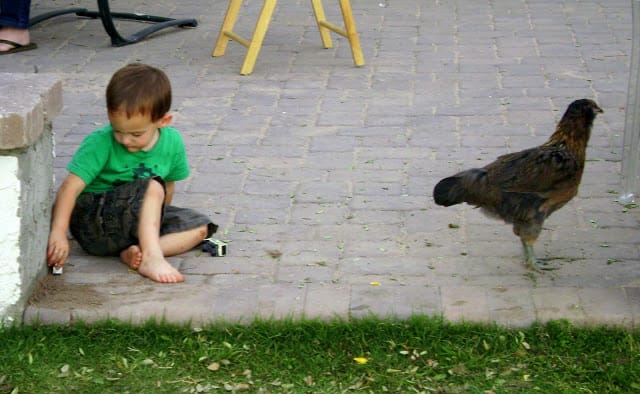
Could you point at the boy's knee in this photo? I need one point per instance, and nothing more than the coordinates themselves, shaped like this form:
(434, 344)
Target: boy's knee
(203, 231)
(155, 188)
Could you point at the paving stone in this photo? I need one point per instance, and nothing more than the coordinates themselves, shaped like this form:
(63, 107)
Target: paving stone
(606, 306)
(40, 315)
(281, 301)
(322, 192)
(465, 303)
(394, 301)
(558, 303)
(633, 296)
(511, 306)
(327, 301)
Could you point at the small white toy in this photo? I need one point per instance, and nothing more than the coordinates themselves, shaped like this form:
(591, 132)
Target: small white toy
(215, 247)
(56, 271)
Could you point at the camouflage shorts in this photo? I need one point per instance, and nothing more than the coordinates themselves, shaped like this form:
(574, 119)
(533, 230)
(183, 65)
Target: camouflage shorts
(104, 224)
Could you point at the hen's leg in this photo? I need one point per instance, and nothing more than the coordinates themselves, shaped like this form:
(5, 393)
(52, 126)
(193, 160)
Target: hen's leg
(530, 257)
(528, 232)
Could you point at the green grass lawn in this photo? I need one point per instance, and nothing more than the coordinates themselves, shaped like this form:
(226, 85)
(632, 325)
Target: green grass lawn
(416, 355)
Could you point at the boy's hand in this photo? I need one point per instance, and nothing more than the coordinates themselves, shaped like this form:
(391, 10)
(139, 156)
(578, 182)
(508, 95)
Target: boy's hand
(58, 245)
(57, 250)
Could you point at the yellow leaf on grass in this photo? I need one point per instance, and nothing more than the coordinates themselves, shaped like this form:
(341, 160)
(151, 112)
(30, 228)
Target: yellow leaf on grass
(361, 360)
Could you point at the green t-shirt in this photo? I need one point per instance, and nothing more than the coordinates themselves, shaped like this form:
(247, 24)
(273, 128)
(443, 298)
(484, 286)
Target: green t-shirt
(103, 163)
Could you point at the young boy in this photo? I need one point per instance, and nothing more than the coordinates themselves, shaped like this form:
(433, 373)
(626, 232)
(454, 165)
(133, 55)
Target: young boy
(116, 198)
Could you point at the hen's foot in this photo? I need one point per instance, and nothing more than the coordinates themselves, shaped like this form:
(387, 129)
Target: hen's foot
(537, 264)
(541, 264)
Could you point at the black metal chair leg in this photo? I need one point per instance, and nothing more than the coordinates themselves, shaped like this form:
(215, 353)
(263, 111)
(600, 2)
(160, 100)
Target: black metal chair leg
(106, 16)
(47, 15)
(117, 40)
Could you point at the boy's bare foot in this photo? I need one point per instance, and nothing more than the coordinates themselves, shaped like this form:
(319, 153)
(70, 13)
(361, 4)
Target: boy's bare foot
(132, 256)
(159, 270)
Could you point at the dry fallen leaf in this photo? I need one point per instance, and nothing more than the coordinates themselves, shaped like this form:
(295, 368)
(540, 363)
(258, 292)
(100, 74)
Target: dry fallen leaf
(213, 367)
(309, 380)
(240, 387)
(64, 371)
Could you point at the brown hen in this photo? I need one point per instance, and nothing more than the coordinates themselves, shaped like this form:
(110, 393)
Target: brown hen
(524, 188)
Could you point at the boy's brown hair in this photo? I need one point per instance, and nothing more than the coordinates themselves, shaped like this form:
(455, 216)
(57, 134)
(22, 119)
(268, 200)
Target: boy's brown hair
(139, 89)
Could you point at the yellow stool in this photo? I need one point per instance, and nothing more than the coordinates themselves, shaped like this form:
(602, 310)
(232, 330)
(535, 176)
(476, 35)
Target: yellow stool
(253, 45)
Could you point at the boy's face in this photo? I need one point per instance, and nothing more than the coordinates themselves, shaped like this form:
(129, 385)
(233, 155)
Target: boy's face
(137, 132)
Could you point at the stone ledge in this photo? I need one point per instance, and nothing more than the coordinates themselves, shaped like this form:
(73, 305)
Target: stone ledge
(29, 102)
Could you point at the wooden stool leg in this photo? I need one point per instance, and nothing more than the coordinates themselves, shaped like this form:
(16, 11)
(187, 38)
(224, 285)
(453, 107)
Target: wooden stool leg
(321, 19)
(352, 34)
(227, 26)
(258, 36)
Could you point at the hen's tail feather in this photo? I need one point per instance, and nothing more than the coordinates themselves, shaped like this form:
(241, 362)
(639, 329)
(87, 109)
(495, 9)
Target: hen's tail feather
(447, 192)
(456, 189)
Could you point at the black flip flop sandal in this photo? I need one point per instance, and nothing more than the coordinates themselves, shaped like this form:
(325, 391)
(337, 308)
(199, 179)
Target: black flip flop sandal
(17, 47)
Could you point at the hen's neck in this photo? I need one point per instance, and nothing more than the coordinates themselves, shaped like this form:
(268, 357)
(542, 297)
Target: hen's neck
(573, 133)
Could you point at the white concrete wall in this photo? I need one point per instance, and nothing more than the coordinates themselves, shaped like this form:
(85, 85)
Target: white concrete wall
(29, 104)
(10, 280)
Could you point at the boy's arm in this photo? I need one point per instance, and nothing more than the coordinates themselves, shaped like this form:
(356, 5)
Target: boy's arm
(58, 245)
(170, 187)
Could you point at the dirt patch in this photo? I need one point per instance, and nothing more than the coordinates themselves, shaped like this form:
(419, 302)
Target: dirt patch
(52, 292)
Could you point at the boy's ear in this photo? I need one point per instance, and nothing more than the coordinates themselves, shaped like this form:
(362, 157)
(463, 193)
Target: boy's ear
(165, 120)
